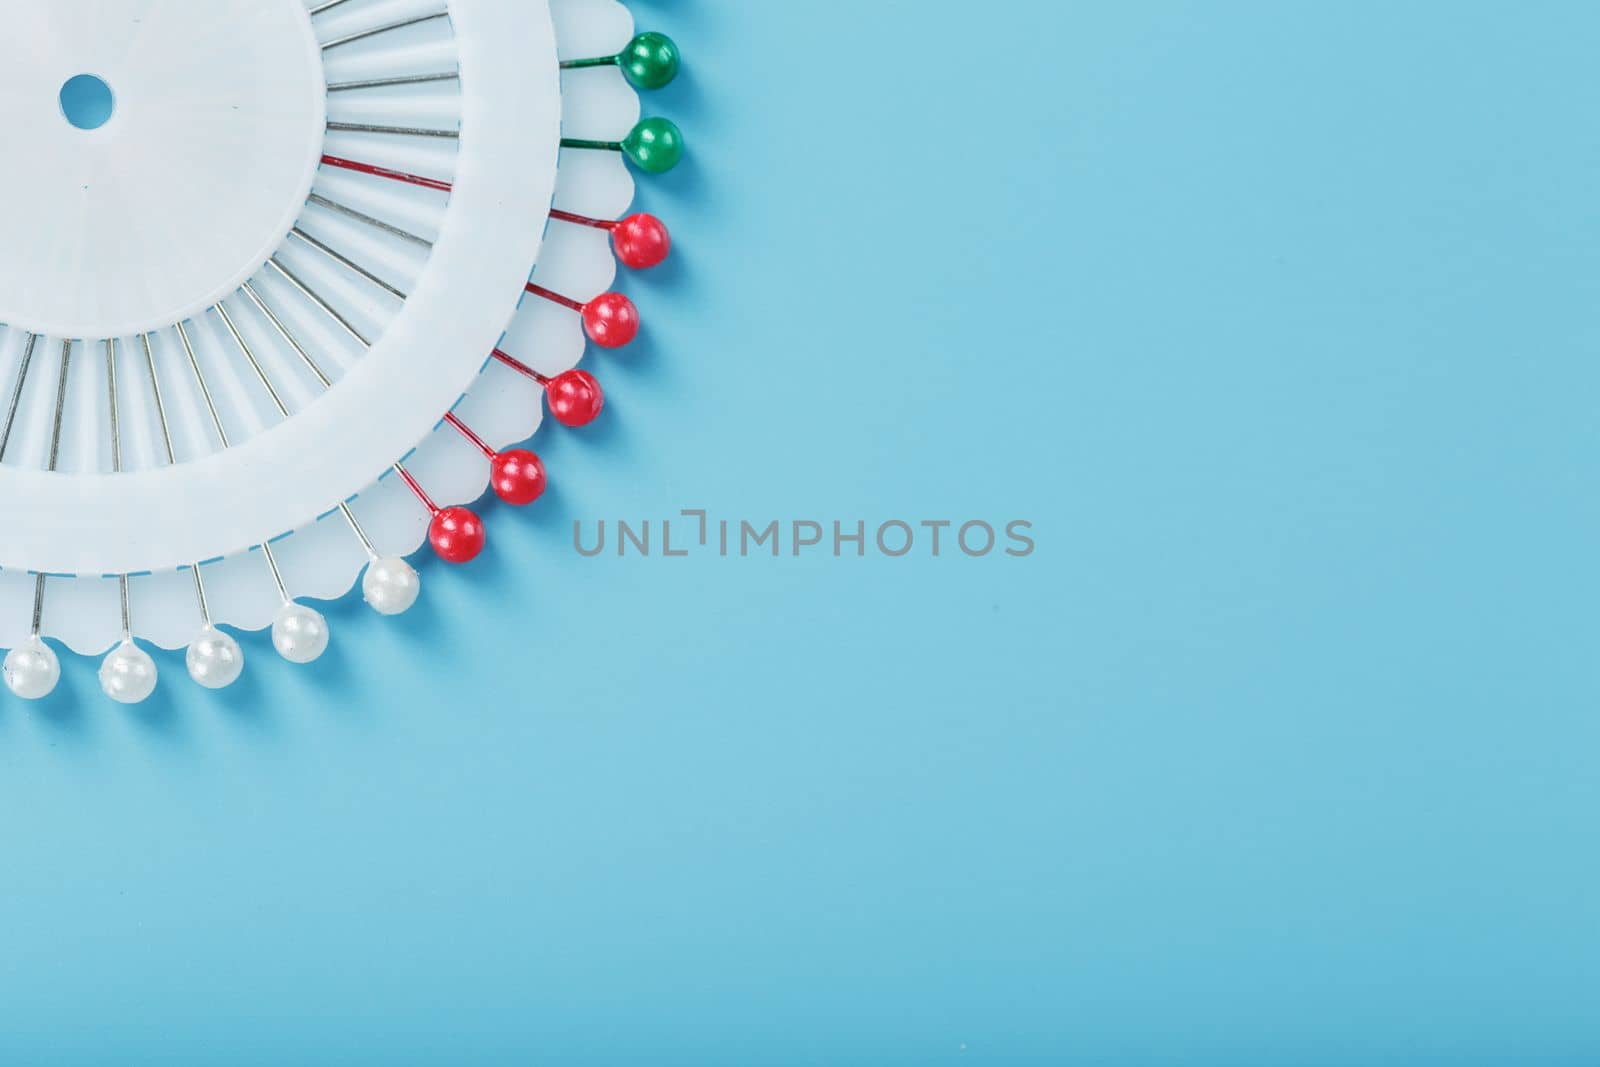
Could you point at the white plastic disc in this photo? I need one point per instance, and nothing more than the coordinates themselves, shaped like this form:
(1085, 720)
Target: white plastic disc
(483, 68)
(91, 522)
(206, 159)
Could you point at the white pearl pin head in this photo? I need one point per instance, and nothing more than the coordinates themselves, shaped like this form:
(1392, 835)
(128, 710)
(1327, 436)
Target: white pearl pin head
(128, 674)
(32, 670)
(299, 634)
(391, 586)
(215, 659)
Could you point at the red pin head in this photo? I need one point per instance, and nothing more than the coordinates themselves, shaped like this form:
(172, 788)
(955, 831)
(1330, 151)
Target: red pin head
(457, 535)
(611, 320)
(641, 241)
(576, 399)
(518, 477)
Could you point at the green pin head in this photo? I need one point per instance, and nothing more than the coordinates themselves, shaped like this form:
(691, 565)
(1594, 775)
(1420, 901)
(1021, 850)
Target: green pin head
(650, 61)
(655, 146)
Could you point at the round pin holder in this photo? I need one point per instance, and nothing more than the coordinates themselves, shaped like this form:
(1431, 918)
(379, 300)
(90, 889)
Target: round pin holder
(268, 312)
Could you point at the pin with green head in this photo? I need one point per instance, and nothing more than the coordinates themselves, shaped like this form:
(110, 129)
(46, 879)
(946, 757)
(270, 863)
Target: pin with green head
(651, 61)
(655, 145)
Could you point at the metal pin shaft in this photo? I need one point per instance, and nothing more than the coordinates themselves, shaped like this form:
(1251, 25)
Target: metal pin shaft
(380, 83)
(55, 455)
(166, 441)
(346, 261)
(16, 394)
(340, 42)
(395, 131)
(311, 294)
(350, 212)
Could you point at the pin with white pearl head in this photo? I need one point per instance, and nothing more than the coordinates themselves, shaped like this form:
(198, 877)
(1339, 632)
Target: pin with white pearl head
(127, 675)
(32, 669)
(299, 633)
(214, 658)
(456, 533)
(390, 585)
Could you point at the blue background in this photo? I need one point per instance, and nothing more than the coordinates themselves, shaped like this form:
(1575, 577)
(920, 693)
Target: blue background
(1277, 319)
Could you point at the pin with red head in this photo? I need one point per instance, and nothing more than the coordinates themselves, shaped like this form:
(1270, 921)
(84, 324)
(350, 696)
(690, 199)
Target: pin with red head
(610, 319)
(575, 397)
(641, 241)
(516, 475)
(457, 534)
